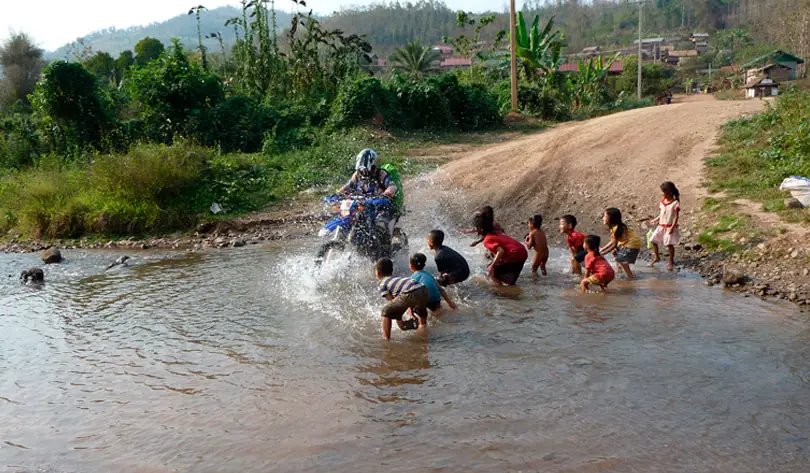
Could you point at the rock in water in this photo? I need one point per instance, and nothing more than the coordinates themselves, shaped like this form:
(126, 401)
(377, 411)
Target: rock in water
(238, 243)
(732, 274)
(35, 275)
(51, 256)
(122, 261)
(793, 203)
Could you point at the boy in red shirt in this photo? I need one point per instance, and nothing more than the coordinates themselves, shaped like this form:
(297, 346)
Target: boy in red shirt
(575, 241)
(597, 270)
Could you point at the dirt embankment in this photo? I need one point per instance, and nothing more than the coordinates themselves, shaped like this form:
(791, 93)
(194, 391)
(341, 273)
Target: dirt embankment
(620, 161)
(582, 168)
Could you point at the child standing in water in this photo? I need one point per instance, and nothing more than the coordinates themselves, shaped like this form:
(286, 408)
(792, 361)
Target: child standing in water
(536, 240)
(509, 255)
(597, 269)
(575, 242)
(403, 294)
(486, 212)
(437, 293)
(667, 232)
(624, 241)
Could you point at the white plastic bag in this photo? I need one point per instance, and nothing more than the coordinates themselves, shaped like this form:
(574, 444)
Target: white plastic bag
(799, 188)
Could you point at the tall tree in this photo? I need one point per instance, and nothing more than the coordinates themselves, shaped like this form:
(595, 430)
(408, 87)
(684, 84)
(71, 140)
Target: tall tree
(148, 49)
(22, 63)
(200, 46)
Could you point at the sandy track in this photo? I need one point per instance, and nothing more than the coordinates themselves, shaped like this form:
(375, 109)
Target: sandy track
(584, 167)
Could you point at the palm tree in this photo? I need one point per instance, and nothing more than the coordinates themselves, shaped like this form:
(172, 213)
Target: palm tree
(414, 59)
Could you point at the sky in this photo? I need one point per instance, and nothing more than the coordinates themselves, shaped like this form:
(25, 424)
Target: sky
(52, 23)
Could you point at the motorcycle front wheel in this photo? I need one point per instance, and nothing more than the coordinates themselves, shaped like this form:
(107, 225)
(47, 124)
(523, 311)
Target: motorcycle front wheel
(328, 251)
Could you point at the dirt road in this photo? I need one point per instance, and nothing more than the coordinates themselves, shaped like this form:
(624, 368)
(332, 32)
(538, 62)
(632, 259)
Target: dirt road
(582, 168)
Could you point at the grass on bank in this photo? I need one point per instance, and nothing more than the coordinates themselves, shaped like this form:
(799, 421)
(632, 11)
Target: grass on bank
(758, 152)
(158, 188)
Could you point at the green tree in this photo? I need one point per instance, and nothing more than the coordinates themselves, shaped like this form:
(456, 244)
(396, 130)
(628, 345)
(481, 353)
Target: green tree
(590, 83)
(415, 59)
(21, 65)
(68, 96)
(102, 65)
(170, 91)
(200, 46)
(147, 49)
(125, 60)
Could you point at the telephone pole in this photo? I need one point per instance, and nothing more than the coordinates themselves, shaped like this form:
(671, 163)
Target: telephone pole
(640, 15)
(513, 58)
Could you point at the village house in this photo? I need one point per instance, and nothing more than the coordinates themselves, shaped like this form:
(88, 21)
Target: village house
(777, 72)
(760, 87)
(777, 57)
(443, 49)
(674, 58)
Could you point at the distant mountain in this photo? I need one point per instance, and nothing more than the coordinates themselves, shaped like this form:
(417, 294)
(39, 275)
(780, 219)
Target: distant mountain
(183, 27)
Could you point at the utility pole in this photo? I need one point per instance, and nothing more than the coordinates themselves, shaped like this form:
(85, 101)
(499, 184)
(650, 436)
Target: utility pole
(640, 15)
(513, 59)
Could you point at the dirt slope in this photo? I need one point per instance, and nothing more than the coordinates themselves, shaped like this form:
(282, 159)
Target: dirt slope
(584, 167)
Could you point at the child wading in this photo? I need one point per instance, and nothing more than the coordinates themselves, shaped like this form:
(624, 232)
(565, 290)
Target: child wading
(667, 233)
(424, 278)
(575, 242)
(453, 268)
(403, 294)
(624, 241)
(597, 269)
(509, 255)
(536, 240)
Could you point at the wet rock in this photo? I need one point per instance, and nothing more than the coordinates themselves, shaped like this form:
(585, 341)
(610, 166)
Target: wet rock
(548, 456)
(237, 243)
(793, 203)
(121, 261)
(51, 256)
(34, 275)
(693, 247)
(732, 275)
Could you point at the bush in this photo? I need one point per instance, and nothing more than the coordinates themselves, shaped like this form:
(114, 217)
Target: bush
(422, 104)
(236, 124)
(20, 142)
(68, 96)
(472, 107)
(171, 91)
(541, 102)
(361, 101)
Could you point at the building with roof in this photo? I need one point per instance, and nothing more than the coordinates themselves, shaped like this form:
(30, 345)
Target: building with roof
(777, 57)
(777, 72)
(453, 62)
(573, 67)
(675, 56)
(760, 87)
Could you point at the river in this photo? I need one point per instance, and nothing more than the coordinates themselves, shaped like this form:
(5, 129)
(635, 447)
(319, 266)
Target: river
(243, 361)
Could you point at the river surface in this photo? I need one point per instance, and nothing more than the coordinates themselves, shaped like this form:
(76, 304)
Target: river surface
(243, 361)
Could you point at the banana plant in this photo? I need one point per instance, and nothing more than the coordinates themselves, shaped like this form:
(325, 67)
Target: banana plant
(538, 50)
(590, 85)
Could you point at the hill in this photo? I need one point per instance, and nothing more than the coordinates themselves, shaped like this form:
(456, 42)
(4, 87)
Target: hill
(182, 26)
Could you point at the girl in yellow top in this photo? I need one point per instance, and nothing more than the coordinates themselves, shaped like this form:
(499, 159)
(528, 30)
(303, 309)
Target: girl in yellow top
(624, 241)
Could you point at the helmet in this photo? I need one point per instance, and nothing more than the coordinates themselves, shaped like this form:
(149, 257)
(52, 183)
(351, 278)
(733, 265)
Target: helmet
(366, 162)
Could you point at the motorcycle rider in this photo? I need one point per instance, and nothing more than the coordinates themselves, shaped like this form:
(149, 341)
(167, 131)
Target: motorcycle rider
(370, 180)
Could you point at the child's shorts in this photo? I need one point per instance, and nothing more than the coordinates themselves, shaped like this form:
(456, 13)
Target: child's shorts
(596, 280)
(433, 306)
(580, 255)
(453, 277)
(509, 273)
(416, 300)
(627, 255)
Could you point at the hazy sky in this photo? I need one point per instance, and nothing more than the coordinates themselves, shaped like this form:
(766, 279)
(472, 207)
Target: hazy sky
(53, 23)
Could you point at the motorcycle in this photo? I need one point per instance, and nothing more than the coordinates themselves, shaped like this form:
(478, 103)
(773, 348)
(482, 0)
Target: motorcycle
(355, 227)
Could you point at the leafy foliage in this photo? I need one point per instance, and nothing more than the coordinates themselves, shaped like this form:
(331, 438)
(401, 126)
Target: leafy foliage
(148, 49)
(414, 59)
(21, 64)
(170, 91)
(538, 50)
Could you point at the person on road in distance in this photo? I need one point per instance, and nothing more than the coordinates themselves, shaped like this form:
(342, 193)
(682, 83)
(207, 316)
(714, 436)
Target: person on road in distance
(403, 294)
(624, 241)
(369, 179)
(575, 242)
(453, 268)
(437, 293)
(509, 255)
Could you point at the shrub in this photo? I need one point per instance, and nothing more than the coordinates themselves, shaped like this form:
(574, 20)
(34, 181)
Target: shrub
(422, 104)
(20, 142)
(536, 101)
(171, 91)
(68, 96)
(471, 106)
(236, 124)
(361, 101)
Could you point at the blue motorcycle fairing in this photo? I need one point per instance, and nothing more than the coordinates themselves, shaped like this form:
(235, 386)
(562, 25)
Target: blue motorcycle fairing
(340, 222)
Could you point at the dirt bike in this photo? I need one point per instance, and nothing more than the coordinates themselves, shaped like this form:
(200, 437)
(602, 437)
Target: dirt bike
(355, 227)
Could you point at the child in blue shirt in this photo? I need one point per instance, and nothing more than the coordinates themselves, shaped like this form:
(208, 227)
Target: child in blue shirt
(437, 293)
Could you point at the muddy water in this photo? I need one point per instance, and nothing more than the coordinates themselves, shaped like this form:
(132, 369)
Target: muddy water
(240, 361)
